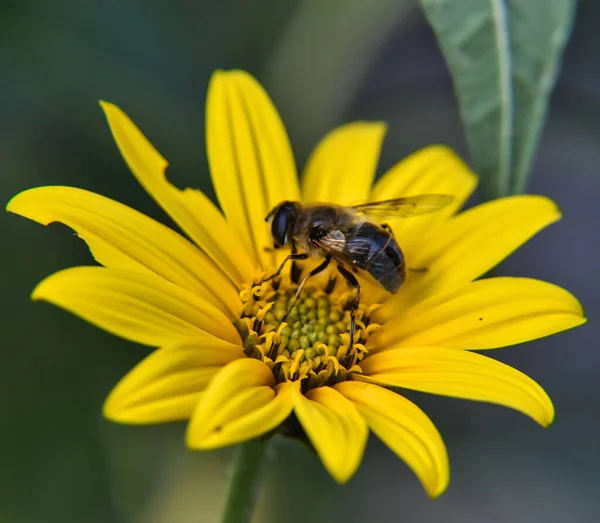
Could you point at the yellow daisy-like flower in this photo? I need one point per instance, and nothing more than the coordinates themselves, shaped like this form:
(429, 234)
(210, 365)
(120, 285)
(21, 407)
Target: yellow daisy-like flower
(227, 362)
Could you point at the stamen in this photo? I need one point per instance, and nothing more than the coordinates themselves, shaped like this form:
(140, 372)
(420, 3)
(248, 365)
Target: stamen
(306, 340)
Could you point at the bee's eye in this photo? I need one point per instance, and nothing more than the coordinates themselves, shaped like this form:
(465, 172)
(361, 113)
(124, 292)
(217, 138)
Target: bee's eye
(280, 226)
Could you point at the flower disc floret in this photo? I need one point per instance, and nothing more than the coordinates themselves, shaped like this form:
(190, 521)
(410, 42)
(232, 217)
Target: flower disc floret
(305, 339)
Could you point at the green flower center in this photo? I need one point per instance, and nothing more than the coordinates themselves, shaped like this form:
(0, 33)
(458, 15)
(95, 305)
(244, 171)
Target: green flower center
(305, 339)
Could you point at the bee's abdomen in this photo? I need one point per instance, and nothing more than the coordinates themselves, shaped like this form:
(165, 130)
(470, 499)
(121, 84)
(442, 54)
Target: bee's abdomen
(379, 255)
(388, 267)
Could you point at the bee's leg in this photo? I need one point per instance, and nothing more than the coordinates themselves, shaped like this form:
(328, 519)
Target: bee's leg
(293, 256)
(296, 270)
(353, 283)
(330, 285)
(320, 268)
(418, 269)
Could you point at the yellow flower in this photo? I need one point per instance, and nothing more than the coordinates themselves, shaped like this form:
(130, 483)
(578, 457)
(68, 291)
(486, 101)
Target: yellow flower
(226, 362)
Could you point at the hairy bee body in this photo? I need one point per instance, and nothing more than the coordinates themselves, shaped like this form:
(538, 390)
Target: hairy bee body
(350, 239)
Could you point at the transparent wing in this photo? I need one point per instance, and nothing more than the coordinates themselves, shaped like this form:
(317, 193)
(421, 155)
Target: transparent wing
(364, 253)
(333, 243)
(347, 246)
(407, 206)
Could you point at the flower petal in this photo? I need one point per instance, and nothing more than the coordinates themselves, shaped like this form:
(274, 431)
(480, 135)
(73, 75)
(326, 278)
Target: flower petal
(240, 403)
(468, 245)
(485, 314)
(406, 429)
(167, 385)
(432, 170)
(250, 157)
(139, 307)
(335, 428)
(341, 168)
(191, 209)
(460, 374)
(120, 237)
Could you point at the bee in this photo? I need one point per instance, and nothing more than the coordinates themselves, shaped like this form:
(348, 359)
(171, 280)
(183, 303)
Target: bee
(347, 236)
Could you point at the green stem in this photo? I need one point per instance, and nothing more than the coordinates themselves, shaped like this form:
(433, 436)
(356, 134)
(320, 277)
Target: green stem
(245, 480)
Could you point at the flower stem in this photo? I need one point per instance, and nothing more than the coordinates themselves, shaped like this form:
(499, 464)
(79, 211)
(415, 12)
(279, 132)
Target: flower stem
(245, 480)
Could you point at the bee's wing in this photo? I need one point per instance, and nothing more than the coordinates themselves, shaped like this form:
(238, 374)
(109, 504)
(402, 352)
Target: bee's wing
(360, 251)
(344, 246)
(407, 206)
(333, 243)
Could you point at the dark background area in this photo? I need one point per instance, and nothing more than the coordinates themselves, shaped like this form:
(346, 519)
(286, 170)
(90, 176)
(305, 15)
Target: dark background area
(324, 63)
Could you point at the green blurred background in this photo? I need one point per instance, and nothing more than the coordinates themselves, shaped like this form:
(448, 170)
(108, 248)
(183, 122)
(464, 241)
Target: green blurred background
(324, 62)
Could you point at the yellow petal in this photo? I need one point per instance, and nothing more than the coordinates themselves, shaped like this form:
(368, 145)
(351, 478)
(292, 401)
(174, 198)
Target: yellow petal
(460, 374)
(406, 429)
(240, 403)
(484, 314)
(120, 237)
(139, 307)
(335, 428)
(468, 245)
(250, 157)
(432, 170)
(192, 211)
(342, 167)
(167, 385)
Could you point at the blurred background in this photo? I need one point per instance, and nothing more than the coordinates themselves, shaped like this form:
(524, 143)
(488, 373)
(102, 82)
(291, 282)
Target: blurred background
(324, 63)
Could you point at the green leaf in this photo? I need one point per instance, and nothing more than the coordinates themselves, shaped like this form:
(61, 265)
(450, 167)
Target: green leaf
(473, 35)
(539, 30)
(503, 56)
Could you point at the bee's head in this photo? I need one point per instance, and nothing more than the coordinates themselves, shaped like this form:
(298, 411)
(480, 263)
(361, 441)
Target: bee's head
(282, 218)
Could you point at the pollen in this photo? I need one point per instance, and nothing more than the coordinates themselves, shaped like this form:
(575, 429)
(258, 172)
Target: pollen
(305, 339)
